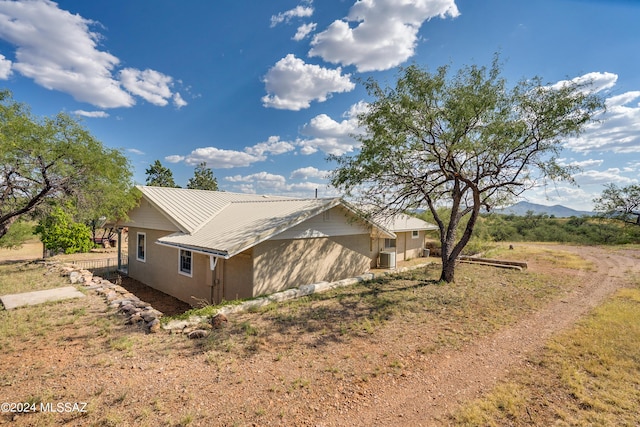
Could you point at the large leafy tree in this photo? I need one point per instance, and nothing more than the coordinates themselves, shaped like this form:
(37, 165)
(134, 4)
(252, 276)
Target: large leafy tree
(159, 175)
(203, 179)
(465, 141)
(46, 161)
(621, 203)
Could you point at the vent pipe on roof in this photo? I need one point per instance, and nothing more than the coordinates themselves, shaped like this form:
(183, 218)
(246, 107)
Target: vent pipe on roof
(316, 193)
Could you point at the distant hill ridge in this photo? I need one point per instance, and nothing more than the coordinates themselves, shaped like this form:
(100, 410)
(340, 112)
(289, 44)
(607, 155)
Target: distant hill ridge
(558, 211)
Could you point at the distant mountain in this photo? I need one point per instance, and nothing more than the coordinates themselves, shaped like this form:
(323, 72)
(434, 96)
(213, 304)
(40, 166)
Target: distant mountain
(558, 211)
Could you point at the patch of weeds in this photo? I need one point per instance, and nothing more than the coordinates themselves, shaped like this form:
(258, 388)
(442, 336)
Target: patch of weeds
(366, 325)
(78, 312)
(248, 329)
(124, 343)
(299, 383)
(111, 420)
(205, 311)
(343, 329)
(396, 364)
(425, 350)
(185, 421)
(120, 398)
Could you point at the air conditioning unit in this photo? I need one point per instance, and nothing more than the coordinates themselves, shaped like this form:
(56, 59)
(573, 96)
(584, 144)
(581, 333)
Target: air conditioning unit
(387, 260)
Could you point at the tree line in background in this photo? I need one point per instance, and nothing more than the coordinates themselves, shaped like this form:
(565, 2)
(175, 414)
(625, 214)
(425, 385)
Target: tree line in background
(616, 221)
(161, 176)
(531, 227)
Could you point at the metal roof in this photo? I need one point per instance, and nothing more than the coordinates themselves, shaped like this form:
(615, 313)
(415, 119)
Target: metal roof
(191, 209)
(225, 224)
(404, 222)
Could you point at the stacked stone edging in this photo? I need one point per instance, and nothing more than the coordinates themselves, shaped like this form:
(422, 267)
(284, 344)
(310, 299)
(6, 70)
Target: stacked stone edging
(117, 297)
(191, 325)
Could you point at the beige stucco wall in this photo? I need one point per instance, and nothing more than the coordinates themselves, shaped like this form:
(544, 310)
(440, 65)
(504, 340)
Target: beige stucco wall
(282, 264)
(406, 246)
(160, 269)
(237, 272)
(409, 248)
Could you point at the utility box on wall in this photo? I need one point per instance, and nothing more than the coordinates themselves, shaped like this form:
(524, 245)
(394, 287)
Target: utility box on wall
(387, 260)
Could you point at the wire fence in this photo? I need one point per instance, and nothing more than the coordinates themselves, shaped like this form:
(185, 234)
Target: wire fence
(107, 268)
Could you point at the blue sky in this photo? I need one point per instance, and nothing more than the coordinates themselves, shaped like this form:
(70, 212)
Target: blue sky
(263, 91)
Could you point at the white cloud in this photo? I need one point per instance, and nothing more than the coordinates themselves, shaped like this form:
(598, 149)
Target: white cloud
(330, 136)
(603, 177)
(92, 114)
(261, 182)
(378, 34)
(268, 183)
(60, 51)
(178, 101)
(309, 172)
(297, 12)
(595, 81)
(5, 67)
(272, 146)
(580, 163)
(174, 158)
(304, 30)
(216, 158)
(623, 99)
(291, 84)
(618, 129)
(135, 151)
(148, 84)
(261, 176)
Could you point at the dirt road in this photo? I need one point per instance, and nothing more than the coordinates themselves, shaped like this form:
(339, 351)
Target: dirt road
(459, 376)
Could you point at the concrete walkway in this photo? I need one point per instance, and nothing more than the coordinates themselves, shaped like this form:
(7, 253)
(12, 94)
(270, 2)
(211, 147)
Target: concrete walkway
(38, 297)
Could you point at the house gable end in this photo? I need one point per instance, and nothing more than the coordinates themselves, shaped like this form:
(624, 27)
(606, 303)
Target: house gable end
(336, 221)
(148, 216)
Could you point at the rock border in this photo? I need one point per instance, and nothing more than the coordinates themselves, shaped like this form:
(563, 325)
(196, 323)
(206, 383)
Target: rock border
(192, 327)
(136, 311)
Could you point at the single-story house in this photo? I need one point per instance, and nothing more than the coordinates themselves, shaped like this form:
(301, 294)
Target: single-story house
(409, 242)
(209, 246)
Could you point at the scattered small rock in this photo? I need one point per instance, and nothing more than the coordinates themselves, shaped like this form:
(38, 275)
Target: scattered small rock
(198, 334)
(154, 326)
(219, 321)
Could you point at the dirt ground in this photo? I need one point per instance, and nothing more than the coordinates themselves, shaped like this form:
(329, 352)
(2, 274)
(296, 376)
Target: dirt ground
(167, 380)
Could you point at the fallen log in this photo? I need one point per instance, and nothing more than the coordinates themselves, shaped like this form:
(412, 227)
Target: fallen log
(516, 265)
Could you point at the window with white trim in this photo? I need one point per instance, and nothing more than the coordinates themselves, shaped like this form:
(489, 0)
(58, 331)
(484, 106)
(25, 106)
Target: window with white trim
(141, 251)
(415, 234)
(185, 262)
(389, 243)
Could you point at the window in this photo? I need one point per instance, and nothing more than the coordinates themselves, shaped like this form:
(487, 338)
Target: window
(389, 243)
(142, 247)
(415, 234)
(185, 262)
(326, 216)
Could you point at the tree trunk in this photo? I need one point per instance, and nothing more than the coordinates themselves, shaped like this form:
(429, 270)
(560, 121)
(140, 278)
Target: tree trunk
(448, 270)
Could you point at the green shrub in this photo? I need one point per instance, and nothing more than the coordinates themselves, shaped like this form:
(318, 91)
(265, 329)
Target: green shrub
(59, 233)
